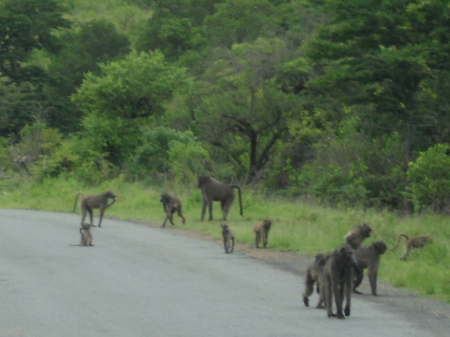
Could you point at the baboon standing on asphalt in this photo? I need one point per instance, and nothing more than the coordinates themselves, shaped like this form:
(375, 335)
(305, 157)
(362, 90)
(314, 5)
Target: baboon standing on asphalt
(86, 235)
(368, 257)
(357, 235)
(261, 230)
(412, 242)
(338, 271)
(94, 201)
(228, 238)
(315, 274)
(171, 204)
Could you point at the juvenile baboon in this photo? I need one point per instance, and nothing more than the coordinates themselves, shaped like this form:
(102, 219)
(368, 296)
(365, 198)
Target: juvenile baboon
(368, 257)
(94, 201)
(338, 274)
(357, 235)
(86, 235)
(262, 231)
(213, 190)
(315, 275)
(171, 204)
(412, 242)
(228, 238)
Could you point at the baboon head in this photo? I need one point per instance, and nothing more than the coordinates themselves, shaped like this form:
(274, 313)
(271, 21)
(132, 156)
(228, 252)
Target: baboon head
(346, 256)
(165, 198)
(379, 247)
(110, 194)
(224, 227)
(365, 230)
(267, 224)
(202, 180)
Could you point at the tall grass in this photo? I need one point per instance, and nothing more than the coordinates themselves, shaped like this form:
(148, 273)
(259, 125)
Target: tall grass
(297, 226)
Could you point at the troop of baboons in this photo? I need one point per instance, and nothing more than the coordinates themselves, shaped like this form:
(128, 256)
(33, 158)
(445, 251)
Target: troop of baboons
(338, 274)
(335, 275)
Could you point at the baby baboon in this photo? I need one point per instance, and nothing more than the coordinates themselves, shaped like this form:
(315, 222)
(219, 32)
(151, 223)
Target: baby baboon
(412, 242)
(228, 238)
(262, 231)
(171, 204)
(357, 235)
(94, 201)
(338, 274)
(368, 257)
(213, 190)
(314, 274)
(86, 235)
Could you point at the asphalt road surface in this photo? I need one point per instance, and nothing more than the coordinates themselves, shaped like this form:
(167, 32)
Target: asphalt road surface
(143, 281)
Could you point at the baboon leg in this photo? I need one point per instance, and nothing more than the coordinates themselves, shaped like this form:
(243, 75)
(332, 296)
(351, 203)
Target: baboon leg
(180, 214)
(348, 294)
(405, 254)
(257, 239)
(83, 215)
(329, 298)
(102, 211)
(210, 205)
(91, 216)
(171, 218)
(373, 282)
(232, 245)
(338, 300)
(226, 205)
(265, 239)
(358, 279)
(309, 289)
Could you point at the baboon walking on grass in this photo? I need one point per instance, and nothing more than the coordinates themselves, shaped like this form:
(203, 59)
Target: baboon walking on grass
(412, 242)
(94, 201)
(261, 230)
(338, 271)
(228, 238)
(213, 190)
(368, 257)
(171, 204)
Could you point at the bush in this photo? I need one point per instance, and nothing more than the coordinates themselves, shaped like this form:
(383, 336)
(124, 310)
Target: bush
(429, 179)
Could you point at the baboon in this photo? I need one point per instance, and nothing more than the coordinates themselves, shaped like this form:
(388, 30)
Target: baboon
(412, 242)
(368, 257)
(86, 235)
(262, 231)
(213, 190)
(171, 204)
(338, 274)
(228, 238)
(314, 274)
(94, 201)
(357, 235)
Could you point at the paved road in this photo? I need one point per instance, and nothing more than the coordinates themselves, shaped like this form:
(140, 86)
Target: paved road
(144, 281)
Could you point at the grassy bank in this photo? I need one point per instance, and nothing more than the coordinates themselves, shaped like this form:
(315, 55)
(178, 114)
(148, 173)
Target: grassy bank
(297, 226)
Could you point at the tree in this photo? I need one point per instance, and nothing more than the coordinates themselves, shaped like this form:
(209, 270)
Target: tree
(242, 110)
(82, 51)
(26, 25)
(125, 97)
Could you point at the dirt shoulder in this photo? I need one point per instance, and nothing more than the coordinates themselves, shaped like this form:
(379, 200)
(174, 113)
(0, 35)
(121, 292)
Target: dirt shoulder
(429, 314)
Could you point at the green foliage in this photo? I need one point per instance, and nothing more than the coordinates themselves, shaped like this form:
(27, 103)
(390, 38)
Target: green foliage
(429, 176)
(158, 152)
(127, 95)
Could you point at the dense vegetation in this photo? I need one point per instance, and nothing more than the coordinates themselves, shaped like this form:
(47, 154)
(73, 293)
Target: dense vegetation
(341, 102)
(325, 101)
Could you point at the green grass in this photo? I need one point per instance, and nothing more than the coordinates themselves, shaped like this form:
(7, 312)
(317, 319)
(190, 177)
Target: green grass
(297, 226)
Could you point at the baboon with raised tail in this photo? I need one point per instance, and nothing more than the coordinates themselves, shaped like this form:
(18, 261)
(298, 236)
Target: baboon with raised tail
(92, 202)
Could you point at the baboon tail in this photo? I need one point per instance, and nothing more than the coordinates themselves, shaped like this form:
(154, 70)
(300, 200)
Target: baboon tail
(76, 200)
(398, 241)
(240, 197)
